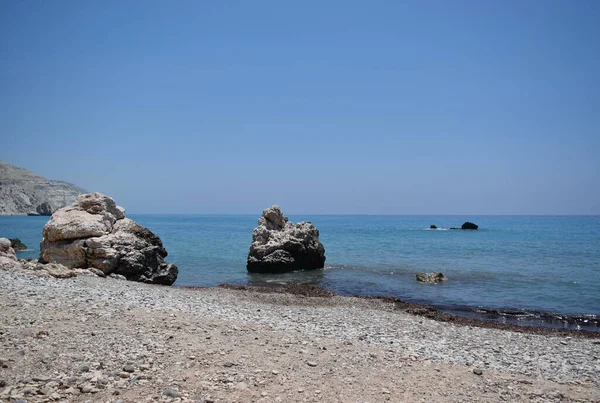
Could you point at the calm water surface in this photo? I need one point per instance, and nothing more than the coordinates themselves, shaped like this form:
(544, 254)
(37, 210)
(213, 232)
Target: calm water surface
(538, 263)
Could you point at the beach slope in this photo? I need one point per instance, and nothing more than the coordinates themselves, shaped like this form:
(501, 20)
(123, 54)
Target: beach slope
(93, 339)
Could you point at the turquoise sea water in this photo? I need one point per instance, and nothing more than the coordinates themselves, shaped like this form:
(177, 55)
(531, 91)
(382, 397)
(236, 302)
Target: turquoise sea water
(525, 263)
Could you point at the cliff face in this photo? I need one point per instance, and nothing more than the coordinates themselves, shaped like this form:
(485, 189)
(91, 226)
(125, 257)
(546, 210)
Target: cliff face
(22, 192)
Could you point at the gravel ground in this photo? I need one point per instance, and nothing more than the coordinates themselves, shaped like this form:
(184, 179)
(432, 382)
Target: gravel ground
(94, 339)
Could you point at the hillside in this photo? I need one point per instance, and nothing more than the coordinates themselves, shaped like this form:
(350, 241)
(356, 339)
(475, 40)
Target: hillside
(22, 192)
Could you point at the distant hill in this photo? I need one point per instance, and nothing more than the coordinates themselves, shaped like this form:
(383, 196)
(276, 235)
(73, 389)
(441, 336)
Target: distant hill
(22, 192)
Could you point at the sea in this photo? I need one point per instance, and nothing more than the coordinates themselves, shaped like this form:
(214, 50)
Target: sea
(529, 270)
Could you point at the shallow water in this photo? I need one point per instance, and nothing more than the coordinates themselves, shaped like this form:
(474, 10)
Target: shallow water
(529, 263)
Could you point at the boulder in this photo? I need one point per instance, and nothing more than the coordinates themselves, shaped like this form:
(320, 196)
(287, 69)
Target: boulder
(8, 257)
(93, 233)
(432, 226)
(434, 277)
(469, 225)
(17, 244)
(279, 246)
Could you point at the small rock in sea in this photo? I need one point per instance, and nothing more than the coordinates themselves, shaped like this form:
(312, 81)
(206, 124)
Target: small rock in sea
(469, 225)
(311, 363)
(129, 368)
(477, 371)
(16, 244)
(435, 277)
(171, 392)
(432, 226)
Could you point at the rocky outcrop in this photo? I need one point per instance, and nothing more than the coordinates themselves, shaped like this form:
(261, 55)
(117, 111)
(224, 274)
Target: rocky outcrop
(469, 225)
(94, 233)
(8, 257)
(16, 244)
(278, 245)
(24, 193)
(434, 277)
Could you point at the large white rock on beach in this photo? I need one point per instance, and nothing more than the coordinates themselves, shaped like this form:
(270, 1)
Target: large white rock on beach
(94, 233)
(278, 245)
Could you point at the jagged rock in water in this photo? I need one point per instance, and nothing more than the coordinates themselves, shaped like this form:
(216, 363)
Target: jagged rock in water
(279, 245)
(24, 193)
(16, 244)
(94, 233)
(469, 225)
(434, 277)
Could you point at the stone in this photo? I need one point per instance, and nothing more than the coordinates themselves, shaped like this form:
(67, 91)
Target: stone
(172, 392)
(57, 270)
(280, 246)
(435, 277)
(469, 225)
(83, 368)
(311, 363)
(129, 368)
(432, 226)
(97, 272)
(477, 371)
(16, 244)
(8, 257)
(94, 234)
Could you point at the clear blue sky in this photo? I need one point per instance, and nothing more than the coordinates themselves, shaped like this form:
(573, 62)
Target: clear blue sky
(396, 107)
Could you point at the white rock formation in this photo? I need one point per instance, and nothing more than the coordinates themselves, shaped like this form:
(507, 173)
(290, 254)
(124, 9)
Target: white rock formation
(94, 233)
(280, 246)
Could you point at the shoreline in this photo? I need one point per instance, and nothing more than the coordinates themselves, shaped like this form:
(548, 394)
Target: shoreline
(88, 338)
(424, 310)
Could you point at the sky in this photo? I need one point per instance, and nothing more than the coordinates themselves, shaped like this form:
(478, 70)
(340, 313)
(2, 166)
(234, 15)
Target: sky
(337, 107)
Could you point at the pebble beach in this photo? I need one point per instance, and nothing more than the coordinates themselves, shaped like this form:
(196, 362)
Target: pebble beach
(92, 339)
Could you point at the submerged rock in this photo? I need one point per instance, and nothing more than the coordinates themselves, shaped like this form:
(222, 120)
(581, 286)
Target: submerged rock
(279, 246)
(94, 233)
(17, 244)
(435, 277)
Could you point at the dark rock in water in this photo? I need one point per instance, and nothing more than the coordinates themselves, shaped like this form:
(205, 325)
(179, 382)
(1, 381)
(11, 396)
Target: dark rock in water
(94, 233)
(434, 277)
(469, 225)
(279, 245)
(432, 226)
(44, 209)
(16, 244)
